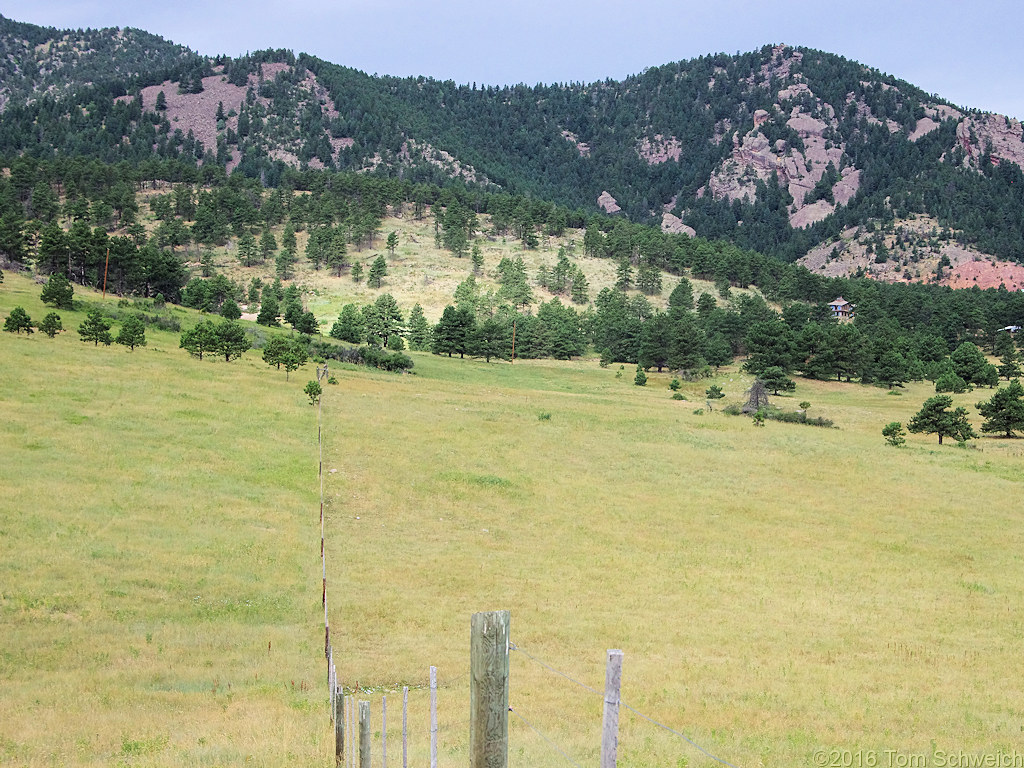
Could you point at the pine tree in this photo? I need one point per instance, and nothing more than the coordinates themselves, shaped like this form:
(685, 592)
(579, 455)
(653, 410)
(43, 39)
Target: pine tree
(378, 270)
(641, 378)
(247, 249)
(51, 325)
(419, 329)
(59, 292)
(1004, 412)
(18, 321)
(132, 333)
(95, 328)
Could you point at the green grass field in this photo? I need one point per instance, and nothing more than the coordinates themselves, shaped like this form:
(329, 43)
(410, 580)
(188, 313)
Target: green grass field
(776, 591)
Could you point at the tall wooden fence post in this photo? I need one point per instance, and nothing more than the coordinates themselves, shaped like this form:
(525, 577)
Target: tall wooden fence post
(364, 734)
(610, 729)
(433, 717)
(339, 727)
(352, 731)
(488, 690)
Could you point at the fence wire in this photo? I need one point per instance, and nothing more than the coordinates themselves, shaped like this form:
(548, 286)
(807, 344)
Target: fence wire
(687, 739)
(549, 741)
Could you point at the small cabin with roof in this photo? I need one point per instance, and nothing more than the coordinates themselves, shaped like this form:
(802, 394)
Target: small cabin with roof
(841, 309)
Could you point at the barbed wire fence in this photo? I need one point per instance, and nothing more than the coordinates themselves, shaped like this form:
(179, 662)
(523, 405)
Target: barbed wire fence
(344, 712)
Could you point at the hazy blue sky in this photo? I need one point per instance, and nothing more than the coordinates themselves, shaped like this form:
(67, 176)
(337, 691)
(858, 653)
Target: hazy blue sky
(968, 53)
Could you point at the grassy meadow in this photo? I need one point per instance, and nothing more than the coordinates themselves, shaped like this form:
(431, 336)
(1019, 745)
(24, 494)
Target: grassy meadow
(776, 591)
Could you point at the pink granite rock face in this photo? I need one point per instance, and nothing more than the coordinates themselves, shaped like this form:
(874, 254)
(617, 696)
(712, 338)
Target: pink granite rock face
(607, 203)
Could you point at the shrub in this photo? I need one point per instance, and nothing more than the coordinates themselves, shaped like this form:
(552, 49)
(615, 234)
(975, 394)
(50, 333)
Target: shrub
(678, 396)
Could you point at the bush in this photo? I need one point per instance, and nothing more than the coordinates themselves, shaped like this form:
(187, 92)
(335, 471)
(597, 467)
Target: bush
(678, 396)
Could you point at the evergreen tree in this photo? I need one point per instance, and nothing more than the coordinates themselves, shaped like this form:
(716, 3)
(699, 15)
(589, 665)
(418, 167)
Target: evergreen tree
(681, 297)
(392, 242)
(269, 307)
(452, 332)
(477, 257)
(51, 325)
(491, 338)
(18, 321)
(132, 333)
(199, 339)
(580, 291)
(936, 418)
(641, 378)
(248, 252)
(1009, 365)
(419, 329)
(268, 244)
(776, 380)
(59, 292)
(378, 270)
(1004, 411)
(349, 326)
(357, 272)
(95, 328)
(230, 310)
(230, 340)
(383, 319)
(623, 275)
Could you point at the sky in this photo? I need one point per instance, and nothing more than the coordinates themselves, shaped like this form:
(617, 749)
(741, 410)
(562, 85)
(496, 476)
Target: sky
(966, 53)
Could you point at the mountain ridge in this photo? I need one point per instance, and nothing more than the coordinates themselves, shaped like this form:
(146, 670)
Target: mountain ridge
(789, 151)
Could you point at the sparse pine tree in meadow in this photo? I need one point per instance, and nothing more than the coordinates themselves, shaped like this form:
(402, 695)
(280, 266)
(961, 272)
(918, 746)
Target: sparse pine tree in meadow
(132, 333)
(357, 272)
(313, 390)
(640, 379)
(198, 340)
(1004, 411)
(1009, 364)
(59, 292)
(776, 380)
(392, 242)
(378, 270)
(248, 251)
(51, 325)
(580, 291)
(268, 243)
(935, 418)
(18, 321)
(230, 340)
(477, 257)
(894, 434)
(161, 102)
(95, 328)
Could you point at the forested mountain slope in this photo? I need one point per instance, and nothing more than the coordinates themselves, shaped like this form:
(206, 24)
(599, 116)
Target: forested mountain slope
(786, 151)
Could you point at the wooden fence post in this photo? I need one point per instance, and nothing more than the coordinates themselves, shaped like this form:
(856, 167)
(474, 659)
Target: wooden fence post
(488, 690)
(339, 727)
(364, 734)
(352, 731)
(610, 728)
(433, 717)
(405, 726)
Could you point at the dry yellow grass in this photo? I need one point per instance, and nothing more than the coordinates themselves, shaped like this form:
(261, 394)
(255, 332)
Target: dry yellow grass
(776, 591)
